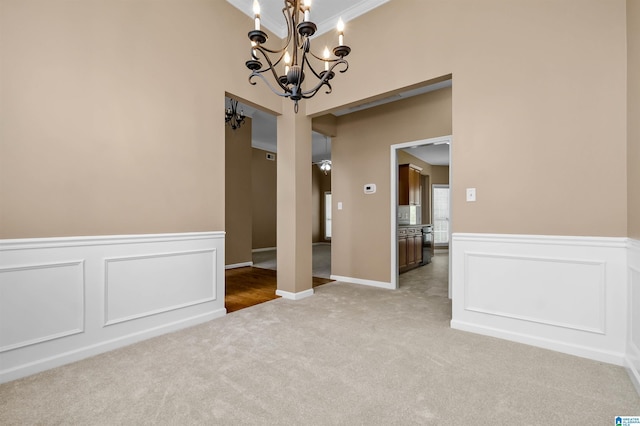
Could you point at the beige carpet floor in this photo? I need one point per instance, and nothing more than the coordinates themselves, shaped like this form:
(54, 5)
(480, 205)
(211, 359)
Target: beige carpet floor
(350, 354)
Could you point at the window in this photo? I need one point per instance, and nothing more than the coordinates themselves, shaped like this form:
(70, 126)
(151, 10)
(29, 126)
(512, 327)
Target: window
(440, 200)
(327, 215)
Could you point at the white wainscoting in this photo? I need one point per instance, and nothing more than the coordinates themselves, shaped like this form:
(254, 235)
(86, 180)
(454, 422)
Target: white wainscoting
(64, 299)
(567, 294)
(633, 336)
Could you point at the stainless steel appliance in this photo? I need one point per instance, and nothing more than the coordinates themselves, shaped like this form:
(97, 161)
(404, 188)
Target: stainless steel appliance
(427, 244)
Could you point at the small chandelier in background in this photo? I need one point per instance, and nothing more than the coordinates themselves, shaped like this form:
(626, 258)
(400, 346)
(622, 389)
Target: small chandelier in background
(232, 117)
(296, 55)
(325, 166)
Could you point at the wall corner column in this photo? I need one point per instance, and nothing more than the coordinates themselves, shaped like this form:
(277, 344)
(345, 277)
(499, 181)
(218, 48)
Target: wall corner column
(294, 235)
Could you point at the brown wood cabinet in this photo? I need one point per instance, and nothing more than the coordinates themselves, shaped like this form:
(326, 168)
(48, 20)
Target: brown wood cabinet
(409, 188)
(409, 247)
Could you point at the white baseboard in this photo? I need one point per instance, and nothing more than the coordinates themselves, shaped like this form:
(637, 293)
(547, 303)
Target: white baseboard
(258, 250)
(567, 294)
(94, 294)
(98, 348)
(371, 283)
(632, 359)
(238, 265)
(294, 296)
(609, 357)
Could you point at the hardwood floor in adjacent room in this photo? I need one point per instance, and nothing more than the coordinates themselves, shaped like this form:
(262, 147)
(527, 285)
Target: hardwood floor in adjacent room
(250, 286)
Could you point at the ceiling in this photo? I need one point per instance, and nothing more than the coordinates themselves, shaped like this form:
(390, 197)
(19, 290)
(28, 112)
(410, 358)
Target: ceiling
(325, 14)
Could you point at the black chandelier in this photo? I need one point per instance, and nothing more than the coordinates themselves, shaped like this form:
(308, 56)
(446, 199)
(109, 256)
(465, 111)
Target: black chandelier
(232, 117)
(295, 55)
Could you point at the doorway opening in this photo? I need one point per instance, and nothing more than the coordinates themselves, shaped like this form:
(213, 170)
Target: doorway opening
(250, 205)
(427, 218)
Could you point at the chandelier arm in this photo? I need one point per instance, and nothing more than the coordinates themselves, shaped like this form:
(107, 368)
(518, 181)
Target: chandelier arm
(311, 93)
(324, 80)
(271, 68)
(306, 60)
(262, 48)
(340, 62)
(288, 19)
(296, 47)
(333, 62)
(284, 95)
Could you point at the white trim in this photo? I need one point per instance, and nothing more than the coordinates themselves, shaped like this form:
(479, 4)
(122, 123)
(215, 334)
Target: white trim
(150, 271)
(238, 265)
(294, 296)
(632, 355)
(80, 299)
(586, 241)
(633, 352)
(371, 283)
(393, 201)
(602, 355)
(348, 14)
(78, 354)
(57, 242)
(258, 250)
(501, 287)
(274, 21)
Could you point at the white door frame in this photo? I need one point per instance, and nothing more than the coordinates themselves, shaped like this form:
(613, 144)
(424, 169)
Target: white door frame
(393, 202)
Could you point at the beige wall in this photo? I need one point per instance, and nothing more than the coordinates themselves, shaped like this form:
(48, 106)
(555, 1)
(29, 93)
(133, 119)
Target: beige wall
(320, 183)
(263, 190)
(633, 112)
(264, 201)
(108, 114)
(361, 154)
(238, 190)
(530, 126)
(106, 124)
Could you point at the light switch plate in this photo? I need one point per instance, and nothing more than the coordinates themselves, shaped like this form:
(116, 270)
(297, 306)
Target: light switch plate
(339, 205)
(471, 194)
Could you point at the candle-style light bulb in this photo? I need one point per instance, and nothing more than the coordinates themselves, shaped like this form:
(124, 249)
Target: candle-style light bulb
(256, 13)
(325, 55)
(340, 32)
(307, 9)
(287, 61)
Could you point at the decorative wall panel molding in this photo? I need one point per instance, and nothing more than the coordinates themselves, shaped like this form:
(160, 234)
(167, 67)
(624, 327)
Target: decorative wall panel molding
(524, 284)
(562, 293)
(63, 299)
(27, 314)
(632, 360)
(163, 282)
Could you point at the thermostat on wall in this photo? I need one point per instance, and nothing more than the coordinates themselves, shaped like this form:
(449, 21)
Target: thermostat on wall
(370, 188)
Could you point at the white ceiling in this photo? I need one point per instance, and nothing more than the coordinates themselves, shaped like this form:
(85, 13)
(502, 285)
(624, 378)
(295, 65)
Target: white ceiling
(436, 155)
(325, 14)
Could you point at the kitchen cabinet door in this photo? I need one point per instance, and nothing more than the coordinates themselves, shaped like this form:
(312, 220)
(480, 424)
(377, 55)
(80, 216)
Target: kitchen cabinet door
(409, 188)
(402, 252)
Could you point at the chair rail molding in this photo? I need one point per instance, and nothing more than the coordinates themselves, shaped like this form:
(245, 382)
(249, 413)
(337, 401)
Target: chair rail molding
(64, 299)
